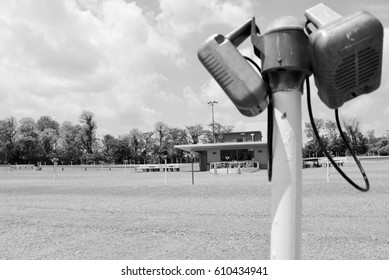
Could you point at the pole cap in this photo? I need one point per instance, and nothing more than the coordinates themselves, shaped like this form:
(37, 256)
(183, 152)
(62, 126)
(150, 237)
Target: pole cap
(285, 23)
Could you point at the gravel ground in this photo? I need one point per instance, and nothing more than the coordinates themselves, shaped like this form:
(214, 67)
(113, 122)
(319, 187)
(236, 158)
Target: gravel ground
(102, 214)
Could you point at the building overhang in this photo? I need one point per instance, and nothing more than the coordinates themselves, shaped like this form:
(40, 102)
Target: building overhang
(209, 146)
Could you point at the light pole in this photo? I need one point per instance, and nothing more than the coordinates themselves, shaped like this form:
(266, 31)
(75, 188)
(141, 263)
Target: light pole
(212, 103)
(286, 66)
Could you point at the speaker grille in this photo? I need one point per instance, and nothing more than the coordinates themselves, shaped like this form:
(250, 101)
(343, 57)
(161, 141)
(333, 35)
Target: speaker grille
(357, 69)
(369, 62)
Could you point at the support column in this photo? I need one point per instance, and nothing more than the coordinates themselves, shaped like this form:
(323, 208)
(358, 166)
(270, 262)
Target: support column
(283, 50)
(286, 187)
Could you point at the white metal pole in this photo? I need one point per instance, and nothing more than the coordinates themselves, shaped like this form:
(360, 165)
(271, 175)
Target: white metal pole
(286, 189)
(165, 171)
(55, 175)
(192, 170)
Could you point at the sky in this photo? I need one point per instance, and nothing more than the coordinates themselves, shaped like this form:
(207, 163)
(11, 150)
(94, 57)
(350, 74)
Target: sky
(134, 63)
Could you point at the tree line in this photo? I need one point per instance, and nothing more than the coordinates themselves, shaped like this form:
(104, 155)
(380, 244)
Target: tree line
(28, 142)
(362, 144)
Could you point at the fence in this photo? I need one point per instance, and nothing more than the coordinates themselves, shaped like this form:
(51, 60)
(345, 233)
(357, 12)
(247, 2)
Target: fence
(237, 167)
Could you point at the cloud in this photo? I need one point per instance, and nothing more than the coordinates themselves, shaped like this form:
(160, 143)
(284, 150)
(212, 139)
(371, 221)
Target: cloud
(381, 11)
(186, 17)
(59, 57)
(359, 107)
(212, 91)
(131, 63)
(192, 99)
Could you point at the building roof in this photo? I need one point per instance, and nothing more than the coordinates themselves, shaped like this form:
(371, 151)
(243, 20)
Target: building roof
(230, 145)
(239, 132)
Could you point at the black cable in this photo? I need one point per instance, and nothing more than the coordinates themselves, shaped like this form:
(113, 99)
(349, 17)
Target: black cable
(270, 117)
(352, 154)
(307, 31)
(344, 139)
(254, 63)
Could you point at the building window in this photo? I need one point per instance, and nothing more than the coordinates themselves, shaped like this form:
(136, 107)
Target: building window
(241, 154)
(231, 154)
(245, 154)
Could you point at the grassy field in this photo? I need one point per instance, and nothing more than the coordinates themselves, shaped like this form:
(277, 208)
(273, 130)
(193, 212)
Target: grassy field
(102, 214)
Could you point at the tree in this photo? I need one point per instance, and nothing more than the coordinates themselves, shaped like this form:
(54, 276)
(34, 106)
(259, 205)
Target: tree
(149, 147)
(88, 132)
(46, 122)
(137, 144)
(178, 136)
(69, 144)
(194, 132)
(108, 145)
(219, 128)
(309, 129)
(8, 128)
(331, 139)
(313, 146)
(357, 140)
(335, 144)
(162, 142)
(370, 134)
(48, 139)
(48, 130)
(331, 130)
(122, 148)
(372, 140)
(28, 140)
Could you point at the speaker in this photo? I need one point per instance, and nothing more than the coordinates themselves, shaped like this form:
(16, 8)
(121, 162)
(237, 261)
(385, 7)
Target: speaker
(346, 54)
(242, 84)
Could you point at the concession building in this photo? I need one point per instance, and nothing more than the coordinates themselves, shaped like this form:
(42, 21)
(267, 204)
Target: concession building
(231, 147)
